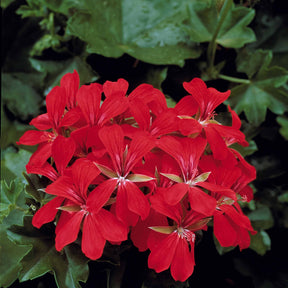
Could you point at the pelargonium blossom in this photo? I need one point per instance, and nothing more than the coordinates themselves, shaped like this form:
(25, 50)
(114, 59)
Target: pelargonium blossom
(125, 166)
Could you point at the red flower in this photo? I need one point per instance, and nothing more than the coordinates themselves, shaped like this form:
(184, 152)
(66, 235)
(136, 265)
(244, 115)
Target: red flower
(187, 152)
(130, 200)
(173, 246)
(231, 226)
(202, 102)
(99, 224)
(54, 119)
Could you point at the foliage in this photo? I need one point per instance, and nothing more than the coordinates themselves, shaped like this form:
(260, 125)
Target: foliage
(237, 45)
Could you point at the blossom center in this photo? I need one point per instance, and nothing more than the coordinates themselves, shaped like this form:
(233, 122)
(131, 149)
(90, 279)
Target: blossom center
(185, 233)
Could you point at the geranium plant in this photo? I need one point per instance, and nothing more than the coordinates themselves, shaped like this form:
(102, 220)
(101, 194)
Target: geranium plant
(129, 166)
(143, 143)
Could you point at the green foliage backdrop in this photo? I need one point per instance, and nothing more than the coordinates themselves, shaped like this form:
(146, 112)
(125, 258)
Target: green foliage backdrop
(238, 45)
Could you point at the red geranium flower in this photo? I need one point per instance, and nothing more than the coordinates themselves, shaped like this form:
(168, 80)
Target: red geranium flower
(99, 224)
(173, 246)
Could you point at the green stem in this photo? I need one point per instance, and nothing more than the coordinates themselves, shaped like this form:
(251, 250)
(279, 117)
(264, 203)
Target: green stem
(234, 79)
(211, 51)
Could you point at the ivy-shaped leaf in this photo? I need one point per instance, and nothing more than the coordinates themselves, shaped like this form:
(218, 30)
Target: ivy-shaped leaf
(260, 242)
(13, 198)
(151, 31)
(15, 162)
(10, 256)
(229, 26)
(14, 89)
(263, 90)
(12, 130)
(68, 266)
(261, 218)
(54, 70)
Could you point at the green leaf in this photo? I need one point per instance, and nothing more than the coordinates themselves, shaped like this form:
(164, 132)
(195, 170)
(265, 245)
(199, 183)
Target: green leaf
(16, 162)
(69, 266)
(151, 31)
(54, 70)
(64, 6)
(260, 242)
(45, 42)
(283, 198)
(229, 27)
(14, 90)
(10, 256)
(283, 121)
(264, 89)
(13, 198)
(5, 3)
(34, 8)
(11, 130)
(34, 187)
(261, 218)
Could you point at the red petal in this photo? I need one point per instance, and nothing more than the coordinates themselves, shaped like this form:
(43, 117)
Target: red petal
(61, 144)
(208, 99)
(161, 256)
(224, 232)
(64, 187)
(47, 212)
(165, 123)
(33, 137)
(201, 202)
(89, 98)
(159, 204)
(42, 122)
(92, 240)
(46, 170)
(70, 118)
(198, 90)
(217, 144)
(236, 122)
(219, 189)
(100, 195)
(189, 126)
(115, 89)
(122, 211)
(237, 217)
(110, 227)
(84, 172)
(175, 193)
(141, 113)
(113, 139)
(55, 103)
(187, 106)
(142, 92)
(183, 262)
(40, 156)
(246, 193)
(69, 232)
(112, 107)
(136, 200)
(70, 82)
(186, 152)
(216, 98)
(140, 233)
(140, 145)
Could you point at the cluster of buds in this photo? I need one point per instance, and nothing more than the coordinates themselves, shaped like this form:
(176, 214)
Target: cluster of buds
(125, 165)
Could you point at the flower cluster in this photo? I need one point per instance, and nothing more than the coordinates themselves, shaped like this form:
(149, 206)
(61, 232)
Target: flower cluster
(127, 165)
